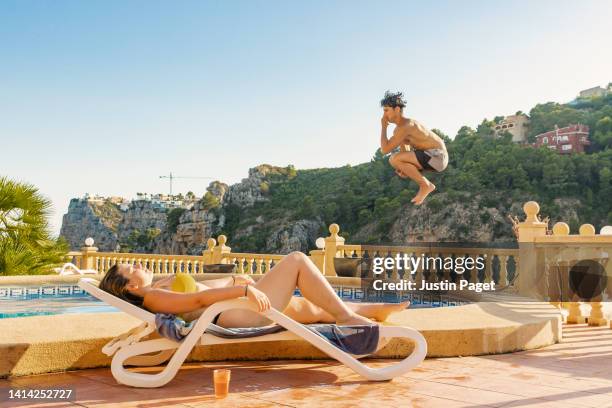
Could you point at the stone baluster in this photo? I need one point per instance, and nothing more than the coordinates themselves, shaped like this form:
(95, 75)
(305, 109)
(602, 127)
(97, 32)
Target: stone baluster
(394, 272)
(488, 272)
(596, 317)
(575, 314)
(503, 270)
(474, 272)
(331, 249)
(268, 265)
(436, 267)
(447, 272)
(418, 276)
(259, 268)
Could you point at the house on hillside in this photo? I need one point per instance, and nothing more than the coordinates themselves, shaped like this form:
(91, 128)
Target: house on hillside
(566, 140)
(594, 92)
(516, 125)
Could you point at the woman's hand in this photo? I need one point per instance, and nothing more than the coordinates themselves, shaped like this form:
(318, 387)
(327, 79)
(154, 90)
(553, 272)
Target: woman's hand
(167, 281)
(258, 297)
(243, 280)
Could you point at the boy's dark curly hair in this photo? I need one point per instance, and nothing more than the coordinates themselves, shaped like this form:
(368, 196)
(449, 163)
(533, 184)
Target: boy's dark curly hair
(393, 100)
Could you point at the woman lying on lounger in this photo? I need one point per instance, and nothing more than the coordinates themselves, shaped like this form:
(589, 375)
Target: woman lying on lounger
(319, 304)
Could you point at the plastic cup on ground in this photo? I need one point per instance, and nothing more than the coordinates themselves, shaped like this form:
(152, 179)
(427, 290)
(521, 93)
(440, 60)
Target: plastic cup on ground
(221, 379)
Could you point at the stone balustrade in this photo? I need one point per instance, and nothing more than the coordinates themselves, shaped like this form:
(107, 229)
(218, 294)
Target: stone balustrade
(498, 261)
(553, 261)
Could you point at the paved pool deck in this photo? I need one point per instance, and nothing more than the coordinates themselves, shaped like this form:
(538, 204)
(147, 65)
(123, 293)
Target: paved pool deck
(576, 372)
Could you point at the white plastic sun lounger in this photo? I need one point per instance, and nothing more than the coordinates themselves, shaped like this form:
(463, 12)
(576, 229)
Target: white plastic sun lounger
(128, 349)
(71, 269)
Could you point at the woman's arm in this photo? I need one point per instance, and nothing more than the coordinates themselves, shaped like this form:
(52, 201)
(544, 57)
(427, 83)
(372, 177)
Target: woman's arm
(219, 283)
(232, 280)
(165, 301)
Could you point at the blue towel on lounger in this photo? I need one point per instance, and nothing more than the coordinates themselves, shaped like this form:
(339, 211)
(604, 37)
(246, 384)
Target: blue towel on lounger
(357, 340)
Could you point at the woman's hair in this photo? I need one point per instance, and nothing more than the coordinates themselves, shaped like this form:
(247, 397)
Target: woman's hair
(116, 284)
(393, 100)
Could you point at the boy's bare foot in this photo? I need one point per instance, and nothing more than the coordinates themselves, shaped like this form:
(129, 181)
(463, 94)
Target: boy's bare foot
(388, 308)
(424, 191)
(355, 319)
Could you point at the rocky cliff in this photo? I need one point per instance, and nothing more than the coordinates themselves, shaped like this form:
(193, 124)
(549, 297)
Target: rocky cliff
(144, 226)
(90, 219)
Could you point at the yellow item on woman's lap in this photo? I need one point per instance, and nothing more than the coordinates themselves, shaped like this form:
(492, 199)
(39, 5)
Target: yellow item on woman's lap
(183, 283)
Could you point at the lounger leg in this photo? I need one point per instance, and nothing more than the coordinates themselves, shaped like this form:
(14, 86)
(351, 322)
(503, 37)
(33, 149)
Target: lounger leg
(149, 360)
(131, 352)
(183, 349)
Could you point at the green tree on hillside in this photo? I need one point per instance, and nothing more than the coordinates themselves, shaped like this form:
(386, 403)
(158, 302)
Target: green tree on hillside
(544, 117)
(26, 244)
(486, 129)
(173, 218)
(603, 132)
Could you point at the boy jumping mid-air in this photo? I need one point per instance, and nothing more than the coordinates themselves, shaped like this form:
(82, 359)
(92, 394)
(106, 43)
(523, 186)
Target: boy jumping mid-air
(420, 148)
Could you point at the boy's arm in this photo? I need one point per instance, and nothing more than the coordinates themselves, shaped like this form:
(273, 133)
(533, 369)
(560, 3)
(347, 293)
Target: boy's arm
(387, 145)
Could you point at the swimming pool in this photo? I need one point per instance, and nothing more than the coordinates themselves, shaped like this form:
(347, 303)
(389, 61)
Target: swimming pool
(22, 301)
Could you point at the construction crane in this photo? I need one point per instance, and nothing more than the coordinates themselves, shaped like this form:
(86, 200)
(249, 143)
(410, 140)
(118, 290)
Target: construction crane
(172, 177)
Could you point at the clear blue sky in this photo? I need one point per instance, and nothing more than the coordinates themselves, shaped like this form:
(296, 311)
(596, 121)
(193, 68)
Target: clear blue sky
(105, 96)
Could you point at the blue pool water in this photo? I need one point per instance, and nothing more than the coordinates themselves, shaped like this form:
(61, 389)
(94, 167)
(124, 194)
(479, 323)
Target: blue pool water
(67, 298)
(48, 300)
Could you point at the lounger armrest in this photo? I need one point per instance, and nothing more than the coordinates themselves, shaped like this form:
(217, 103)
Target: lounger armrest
(132, 336)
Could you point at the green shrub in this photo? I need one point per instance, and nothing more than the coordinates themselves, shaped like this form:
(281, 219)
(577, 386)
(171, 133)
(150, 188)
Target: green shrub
(26, 244)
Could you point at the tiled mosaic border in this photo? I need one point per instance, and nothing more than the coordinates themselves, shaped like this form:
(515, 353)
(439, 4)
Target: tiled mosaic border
(347, 293)
(31, 292)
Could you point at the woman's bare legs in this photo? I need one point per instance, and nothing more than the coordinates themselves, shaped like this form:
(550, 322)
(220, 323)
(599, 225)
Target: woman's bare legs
(295, 269)
(304, 311)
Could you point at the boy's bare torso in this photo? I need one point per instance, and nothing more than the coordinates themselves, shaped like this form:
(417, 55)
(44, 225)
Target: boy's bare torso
(418, 136)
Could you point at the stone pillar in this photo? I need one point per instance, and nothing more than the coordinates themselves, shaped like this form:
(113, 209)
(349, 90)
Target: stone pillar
(528, 230)
(317, 256)
(208, 252)
(596, 317)
(219, 250)
(331, 249)
(87, 255)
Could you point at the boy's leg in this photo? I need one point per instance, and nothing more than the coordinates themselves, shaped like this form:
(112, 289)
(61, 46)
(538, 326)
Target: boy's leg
(407, 163)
